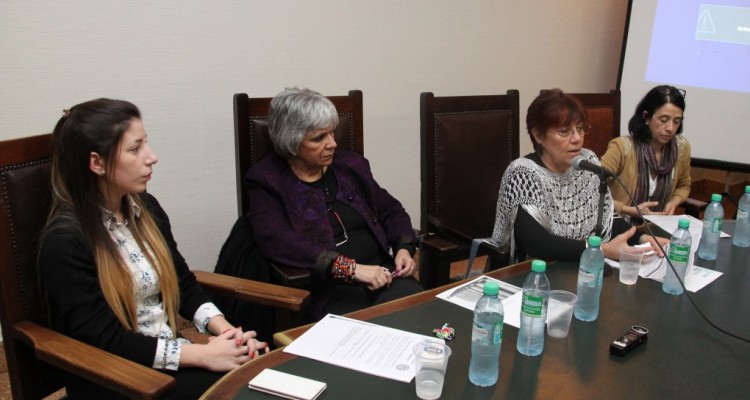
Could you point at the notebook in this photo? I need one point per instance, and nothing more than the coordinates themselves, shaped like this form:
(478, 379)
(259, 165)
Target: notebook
(286, 385)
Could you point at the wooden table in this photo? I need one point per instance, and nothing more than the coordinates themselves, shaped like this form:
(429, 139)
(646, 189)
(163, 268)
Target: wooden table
(684, 358)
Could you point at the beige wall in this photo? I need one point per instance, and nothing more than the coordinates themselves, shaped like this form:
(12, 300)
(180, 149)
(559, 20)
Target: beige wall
(181, 61)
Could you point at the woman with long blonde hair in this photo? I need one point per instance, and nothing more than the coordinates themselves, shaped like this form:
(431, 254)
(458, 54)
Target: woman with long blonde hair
(110, 265)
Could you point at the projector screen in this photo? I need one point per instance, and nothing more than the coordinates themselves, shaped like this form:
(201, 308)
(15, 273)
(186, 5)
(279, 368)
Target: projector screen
(703, 48)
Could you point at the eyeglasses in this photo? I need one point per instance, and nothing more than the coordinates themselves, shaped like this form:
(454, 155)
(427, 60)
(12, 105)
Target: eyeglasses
(667, 90)
(582, 130)
(346, 236)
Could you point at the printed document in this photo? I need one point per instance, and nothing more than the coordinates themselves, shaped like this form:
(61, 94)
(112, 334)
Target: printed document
(361, 346)
(696, 278)
(468, 294)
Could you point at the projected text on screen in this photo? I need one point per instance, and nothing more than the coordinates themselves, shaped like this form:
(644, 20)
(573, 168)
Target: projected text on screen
(701, 45)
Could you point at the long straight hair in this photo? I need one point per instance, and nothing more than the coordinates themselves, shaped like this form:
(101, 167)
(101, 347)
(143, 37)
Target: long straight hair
(77, 203)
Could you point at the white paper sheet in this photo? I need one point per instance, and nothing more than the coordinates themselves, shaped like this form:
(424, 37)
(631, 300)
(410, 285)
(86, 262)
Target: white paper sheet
(361, 346)
(468, 294)
(669, 224)
(696, 278)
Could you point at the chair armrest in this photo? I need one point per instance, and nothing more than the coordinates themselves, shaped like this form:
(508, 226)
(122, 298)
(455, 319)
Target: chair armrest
(436, 243)
(497, 253)
(91, 363)
(693, 207)
(253, 291)
(694, 204)
(290, 276)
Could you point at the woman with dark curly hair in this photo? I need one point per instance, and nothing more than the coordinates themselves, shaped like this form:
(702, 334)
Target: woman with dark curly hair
(654, 161)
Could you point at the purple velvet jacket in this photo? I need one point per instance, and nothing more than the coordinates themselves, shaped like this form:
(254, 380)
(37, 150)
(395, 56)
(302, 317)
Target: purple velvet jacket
(290, 219)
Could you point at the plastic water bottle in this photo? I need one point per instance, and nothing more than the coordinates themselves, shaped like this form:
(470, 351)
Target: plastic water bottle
(741, 237)
(679, 254)
(533, 310)
(589, 288)
(486, 337)
(713, 219)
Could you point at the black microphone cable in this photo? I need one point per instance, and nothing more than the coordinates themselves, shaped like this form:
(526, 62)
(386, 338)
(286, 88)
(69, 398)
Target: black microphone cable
(669, 262)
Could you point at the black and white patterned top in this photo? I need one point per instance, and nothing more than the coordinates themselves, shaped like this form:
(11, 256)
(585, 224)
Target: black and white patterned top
(565, 204)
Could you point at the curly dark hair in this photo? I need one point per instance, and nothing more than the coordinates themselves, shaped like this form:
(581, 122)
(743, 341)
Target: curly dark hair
(652, 101)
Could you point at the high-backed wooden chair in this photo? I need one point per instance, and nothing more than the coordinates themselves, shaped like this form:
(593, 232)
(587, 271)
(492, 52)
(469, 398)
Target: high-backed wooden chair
(37, 355)
(252, 143)
(466, 144)
(603, 110)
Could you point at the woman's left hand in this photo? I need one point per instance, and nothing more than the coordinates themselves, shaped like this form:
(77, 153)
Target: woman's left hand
(405, 265)
(669, 207)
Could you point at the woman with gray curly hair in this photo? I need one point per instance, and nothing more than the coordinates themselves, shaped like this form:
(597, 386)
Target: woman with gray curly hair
(318, 208)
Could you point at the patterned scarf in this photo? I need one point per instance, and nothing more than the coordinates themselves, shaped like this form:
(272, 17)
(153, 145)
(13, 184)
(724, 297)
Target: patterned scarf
(644, 153)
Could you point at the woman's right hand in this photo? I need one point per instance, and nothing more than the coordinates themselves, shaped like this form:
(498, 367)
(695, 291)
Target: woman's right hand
(374, 276)
(611, 249)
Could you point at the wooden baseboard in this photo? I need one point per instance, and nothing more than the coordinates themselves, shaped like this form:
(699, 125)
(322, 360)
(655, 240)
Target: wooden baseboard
(703, 188)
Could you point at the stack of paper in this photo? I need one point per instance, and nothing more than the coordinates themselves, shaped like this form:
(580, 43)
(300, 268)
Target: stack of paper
(361, 346)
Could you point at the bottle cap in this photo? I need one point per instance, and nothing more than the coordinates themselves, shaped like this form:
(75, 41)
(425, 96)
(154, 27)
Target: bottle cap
(747, 189)
(716, 197)
(538, 266)
(595, 241)
(683, 223)
(491, 288)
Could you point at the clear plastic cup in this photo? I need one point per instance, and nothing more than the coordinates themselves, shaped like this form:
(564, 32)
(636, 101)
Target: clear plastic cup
(431, 360)
(561, 304)
(630, 264)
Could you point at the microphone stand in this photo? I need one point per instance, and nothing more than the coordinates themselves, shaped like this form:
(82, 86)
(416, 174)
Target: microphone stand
(598, 230)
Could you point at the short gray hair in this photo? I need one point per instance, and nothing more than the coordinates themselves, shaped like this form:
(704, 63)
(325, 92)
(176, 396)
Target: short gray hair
(293, 114)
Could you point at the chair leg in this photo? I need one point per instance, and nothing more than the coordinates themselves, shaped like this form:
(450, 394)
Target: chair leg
(435, 267)
(286, 319)
(497, 261)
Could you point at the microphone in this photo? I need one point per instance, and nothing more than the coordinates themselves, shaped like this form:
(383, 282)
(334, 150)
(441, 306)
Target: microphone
(581, 164)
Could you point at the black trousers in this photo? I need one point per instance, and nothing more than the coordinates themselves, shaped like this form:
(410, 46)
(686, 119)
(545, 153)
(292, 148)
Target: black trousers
(349, 298)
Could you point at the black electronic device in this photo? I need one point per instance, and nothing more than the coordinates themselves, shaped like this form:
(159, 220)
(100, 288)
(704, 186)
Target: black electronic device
(629, 341)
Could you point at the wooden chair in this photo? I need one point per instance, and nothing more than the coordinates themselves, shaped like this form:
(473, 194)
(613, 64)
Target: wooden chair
(466, 144)
(36, 355)
(603, 110)
(252, 143)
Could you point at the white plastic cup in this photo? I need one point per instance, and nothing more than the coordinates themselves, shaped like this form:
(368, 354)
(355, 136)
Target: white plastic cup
(630, 264)
(431, 360)
(561, 305)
